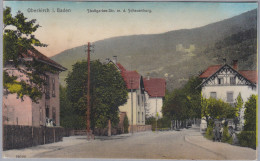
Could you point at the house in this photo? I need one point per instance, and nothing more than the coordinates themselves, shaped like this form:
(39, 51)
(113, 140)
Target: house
(154, 92)
(135, 105)
(24, 111)
(227, 82)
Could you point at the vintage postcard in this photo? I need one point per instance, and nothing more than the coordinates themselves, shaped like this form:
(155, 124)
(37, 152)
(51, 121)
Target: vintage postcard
(130, 80)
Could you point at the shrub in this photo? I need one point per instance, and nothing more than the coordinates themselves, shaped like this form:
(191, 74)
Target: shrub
(247, 138)
(209, 133)
(126, 124)
(227, 138)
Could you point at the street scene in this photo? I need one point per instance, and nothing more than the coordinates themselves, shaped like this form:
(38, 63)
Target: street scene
(184, 144)
(130, 80)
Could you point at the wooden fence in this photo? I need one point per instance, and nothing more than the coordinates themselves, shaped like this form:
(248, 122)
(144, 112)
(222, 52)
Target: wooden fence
(16, 137)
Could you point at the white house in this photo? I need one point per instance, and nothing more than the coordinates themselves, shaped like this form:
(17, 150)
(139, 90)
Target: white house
(226, 82)
(155, 92)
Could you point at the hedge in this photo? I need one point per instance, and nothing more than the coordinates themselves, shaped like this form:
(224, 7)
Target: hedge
(247, 139)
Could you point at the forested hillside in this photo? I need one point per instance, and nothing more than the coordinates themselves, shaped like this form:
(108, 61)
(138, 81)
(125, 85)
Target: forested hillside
(177, 55)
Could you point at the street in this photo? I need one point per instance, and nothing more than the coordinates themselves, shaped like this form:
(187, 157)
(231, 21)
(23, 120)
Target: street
(183, 144)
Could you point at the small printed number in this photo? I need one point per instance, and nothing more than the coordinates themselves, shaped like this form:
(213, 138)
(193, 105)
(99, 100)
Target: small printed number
(20, 156)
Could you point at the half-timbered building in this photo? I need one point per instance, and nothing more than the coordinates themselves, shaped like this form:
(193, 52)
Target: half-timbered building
(226, 82)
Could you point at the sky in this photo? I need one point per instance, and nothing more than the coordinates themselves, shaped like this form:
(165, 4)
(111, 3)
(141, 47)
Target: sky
(65, 30)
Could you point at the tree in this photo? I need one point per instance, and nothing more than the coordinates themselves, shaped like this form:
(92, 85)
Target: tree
(126, 124)
(184, 103)
(18, 38)
(216, 109)
(176, 106)
(68, 118)
(250, 114)
(248, 136)
(108, 92)
(238, 105)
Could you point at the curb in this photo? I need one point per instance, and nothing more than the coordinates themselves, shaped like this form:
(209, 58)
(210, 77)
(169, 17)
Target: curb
(199, 145)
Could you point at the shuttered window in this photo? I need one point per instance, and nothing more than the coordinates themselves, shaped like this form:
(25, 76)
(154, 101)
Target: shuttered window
(230, 97)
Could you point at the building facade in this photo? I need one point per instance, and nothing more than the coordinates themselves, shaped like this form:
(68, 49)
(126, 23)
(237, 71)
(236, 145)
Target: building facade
(155, 92)
(226, 82)
(46, 112)
(135, 105)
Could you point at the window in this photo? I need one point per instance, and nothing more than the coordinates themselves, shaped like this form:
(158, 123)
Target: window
(54, 114)
(213, 95)
(47, 110)
(40, 115)
(220, 81)
(232, 80)
(138, 99)
(230, 97)
(53, 87)
(47, 88)
(142, 116)
(138, 116)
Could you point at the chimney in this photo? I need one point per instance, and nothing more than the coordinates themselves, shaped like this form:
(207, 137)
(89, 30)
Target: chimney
(224, 60)
(235, 64)
(148, 76)
(114, 59)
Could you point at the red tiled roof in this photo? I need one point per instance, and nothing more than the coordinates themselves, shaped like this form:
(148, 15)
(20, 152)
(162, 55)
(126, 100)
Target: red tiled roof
(120, 67)
(131, 76)
(249, 74)
(211, 70)
(155, 86)
(40, 57)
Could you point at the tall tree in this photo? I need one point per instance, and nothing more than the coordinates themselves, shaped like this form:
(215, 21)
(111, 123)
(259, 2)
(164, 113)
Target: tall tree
(184, 103)
(250, 114)
(239, 104)
(108, 91)
(18, 38)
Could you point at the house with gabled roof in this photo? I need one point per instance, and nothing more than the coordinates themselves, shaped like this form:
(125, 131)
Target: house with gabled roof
(136, 97)
(155, 92)
(227, 82)
(46, 111)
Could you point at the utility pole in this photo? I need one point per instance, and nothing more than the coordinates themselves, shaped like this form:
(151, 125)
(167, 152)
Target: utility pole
(132, 110)
(156, 117)
(89, 132)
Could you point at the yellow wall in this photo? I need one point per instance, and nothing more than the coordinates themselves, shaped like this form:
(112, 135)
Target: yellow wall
(127, 108)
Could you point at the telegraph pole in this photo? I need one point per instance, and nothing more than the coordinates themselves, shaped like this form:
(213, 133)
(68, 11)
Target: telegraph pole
(89, 132)
(156, 117)
(132, 129)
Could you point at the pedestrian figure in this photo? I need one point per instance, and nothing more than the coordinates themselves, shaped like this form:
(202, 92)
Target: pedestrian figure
(217, 132)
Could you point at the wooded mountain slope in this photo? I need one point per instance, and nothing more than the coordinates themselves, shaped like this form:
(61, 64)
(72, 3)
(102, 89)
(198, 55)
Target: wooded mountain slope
(177, 55)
